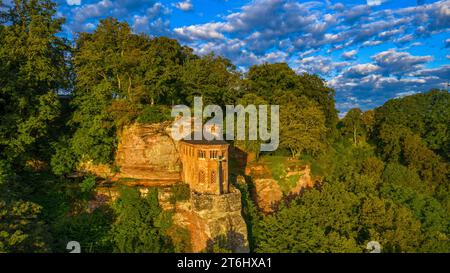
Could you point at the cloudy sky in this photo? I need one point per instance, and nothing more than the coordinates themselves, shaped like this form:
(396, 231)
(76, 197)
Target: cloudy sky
(367, 50)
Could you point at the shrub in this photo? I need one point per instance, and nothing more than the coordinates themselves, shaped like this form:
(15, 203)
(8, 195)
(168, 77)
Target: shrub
(180, 192)
(154, 114)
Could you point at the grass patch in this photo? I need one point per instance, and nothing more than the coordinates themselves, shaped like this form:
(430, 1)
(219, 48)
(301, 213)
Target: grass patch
(277, 165)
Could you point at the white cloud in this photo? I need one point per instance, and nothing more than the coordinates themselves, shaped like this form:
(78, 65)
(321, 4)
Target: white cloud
(184, 5)
(361, 70)
(349, 55)
(447, 42)
(371, 43)
(98, 9)
(393, 62)
(375, 2)
(319, 65)
(204, 31)
(73, 2)
(275, 57)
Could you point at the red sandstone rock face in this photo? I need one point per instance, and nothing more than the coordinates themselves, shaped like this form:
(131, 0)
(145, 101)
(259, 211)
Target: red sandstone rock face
(304, 182)
(101, 170)
(148, 152)
(196, 226)
(267, 193)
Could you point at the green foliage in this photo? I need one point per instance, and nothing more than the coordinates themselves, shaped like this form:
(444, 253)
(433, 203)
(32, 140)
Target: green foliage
(426, 115)
(32, 69)
(270, 81)
(360, 200)
(278, 166)
(220, 244)
(180, 192)
(390, 185)
(302, 125)
(154, 114)
(21, 230)
(250, 212)
(212, 77)
(140, 224)
(351, 124)
(91, 230)
(320, 222)
(63, 160)
(6, 175)
(247, 145)
(88, 184)
(181, 239)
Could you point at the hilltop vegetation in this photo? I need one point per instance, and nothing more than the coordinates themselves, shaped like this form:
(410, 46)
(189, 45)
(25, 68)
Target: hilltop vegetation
(385, 171)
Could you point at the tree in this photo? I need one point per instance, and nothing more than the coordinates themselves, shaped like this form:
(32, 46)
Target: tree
(302, 125)
(429, 166)
(368, 121)
(393, 226)
(121, 77)
(426, 115)
(140, 224)
(352, 124)
(251, 146)
(212, 77)
(21, 230)
(317, 222)
(103, 62)
(33, 68)
(269, 81)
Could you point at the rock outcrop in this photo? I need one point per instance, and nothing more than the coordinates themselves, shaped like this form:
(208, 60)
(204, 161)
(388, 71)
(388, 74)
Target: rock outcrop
(148, 157)
(207, 217)
(267, 193)
(148, 152)
(304, 182)
(210, 217)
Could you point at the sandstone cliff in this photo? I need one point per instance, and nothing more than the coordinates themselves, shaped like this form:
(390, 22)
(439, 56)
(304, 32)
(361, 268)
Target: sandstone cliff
(273, 182)
(148, 157)
(148, 152)
(212, 217)
(207, 217)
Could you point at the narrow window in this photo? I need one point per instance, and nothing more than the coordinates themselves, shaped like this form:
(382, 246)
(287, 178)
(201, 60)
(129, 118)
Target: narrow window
(213, 177)
(201, 177)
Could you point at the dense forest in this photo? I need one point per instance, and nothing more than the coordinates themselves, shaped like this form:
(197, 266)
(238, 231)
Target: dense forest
(384, 172)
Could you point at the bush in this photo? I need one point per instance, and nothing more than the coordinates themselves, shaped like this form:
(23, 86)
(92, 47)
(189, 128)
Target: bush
(63, 160)
(141, 224)
(154, 114)
(91, 230)
(180, 192)
(88, 184)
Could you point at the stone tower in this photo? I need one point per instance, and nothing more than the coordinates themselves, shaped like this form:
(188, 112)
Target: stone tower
(205, 165)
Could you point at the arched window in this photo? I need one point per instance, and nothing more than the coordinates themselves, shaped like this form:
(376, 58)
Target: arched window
(213, 177)
(201, 177)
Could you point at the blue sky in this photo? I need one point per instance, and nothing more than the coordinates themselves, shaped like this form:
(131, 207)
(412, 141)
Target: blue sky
(367, 50)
